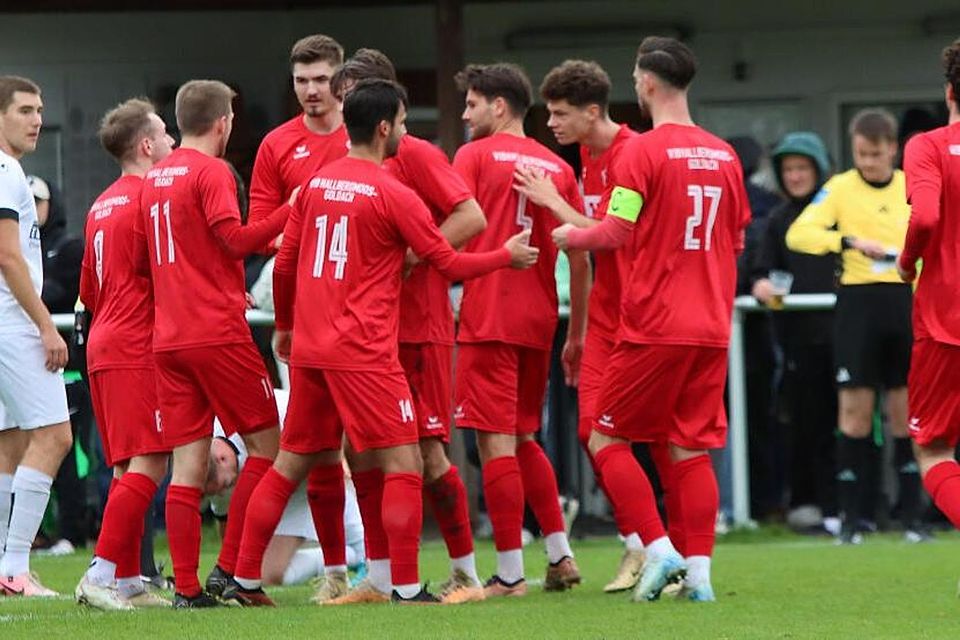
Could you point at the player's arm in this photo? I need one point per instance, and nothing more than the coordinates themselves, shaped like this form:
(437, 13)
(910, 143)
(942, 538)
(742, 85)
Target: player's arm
(285, 281)
(539, 189)
(88, 285)
(612, 232)
(580, 279)
(924, 188)
(17, 276)
(814, 231)
(266, 193)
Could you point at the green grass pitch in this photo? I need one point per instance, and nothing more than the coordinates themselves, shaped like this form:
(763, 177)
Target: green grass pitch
(768, 584)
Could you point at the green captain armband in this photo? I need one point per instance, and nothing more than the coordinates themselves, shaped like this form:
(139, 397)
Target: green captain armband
(625, 204)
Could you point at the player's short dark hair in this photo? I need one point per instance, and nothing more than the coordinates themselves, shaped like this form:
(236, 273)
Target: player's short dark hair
(200, 103)
(9, 85)
(316, 48)
(498, 80)
(876, 125)
(371, 101)
(668, 59)
(124, 126)
(951, 68)
(579, 82)
(364, 63)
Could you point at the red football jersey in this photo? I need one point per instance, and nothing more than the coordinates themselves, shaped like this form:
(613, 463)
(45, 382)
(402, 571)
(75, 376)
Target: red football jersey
(112, 283)
(425, 313)
(611, 268)
(687, 237)
(514, 307)
(287, 157)
(345, 240)
(198, 288)
(932, 165)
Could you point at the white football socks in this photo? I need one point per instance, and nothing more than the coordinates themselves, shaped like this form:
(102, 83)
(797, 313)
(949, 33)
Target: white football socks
(31, 489)
(467, 564)
(102, 572)
(633, 542)
(6, 501)
(558, 546)
(698, 570)
(305, 564)
(510, 565)
(379, 575)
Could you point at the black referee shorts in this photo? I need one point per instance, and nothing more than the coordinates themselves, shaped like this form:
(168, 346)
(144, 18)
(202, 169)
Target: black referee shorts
(873, 335)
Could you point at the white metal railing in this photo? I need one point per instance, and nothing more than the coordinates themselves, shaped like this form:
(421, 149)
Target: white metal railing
(737, 390)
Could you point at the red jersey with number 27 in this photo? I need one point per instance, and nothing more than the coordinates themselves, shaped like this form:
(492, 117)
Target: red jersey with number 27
(611, 268)
(425, 313)
(686, 239)
(198, 288)
(932, 165)
(112, 286)
(515, 307)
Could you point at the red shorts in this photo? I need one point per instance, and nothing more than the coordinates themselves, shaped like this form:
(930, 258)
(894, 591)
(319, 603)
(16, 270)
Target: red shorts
(375, 409)
(934, 393)
(597, 349)
(229, 381)
(128, 414)
(429, 370)
(665, 393)
(500, 387)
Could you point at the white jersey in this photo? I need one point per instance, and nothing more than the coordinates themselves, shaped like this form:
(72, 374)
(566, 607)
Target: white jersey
(15, 195)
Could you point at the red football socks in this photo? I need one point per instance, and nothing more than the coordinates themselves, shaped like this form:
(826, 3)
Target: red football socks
(540, 486)
(448, 497)
(634, 505)
(183, 534)
(251, 474)
(700, 498)
(119, 540)
(270, 497)
(660, 452)
(942, 482)
(503, 490)
(402, 514)
(326, 496)
(369, 486)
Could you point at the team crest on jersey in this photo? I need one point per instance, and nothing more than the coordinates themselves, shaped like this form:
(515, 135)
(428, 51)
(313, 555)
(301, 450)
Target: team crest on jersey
(433, 422)
(301, 152)
(605, 421)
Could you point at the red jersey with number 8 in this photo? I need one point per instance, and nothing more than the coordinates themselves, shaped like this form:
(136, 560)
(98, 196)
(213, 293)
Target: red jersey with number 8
(688, 234)
(516, 307)
(198, 287)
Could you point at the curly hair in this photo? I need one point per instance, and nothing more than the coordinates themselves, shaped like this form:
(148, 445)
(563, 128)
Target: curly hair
(951, 68)
(579, 82)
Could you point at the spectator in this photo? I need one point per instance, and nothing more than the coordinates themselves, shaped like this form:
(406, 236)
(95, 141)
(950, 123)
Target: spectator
(807, 400)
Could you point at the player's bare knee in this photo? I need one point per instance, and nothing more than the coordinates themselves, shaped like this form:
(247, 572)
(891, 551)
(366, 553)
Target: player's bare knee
(435, 461)
(53, 442)
(264, 443)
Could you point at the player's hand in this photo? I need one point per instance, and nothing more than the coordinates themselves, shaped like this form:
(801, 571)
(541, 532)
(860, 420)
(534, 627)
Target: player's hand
(763, 290)
(570, 359)
(284, 341)
(535, 185)
(560, 236)
(522, 255)
(908, 275)
(869, 248)
(293, 196)
(54, 348)
(410, 260)
(250, 300)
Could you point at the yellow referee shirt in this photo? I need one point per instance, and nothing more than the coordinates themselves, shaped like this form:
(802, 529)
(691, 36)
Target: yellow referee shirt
(847, 205)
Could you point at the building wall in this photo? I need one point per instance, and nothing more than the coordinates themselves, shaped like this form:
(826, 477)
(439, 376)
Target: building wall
(796, 74)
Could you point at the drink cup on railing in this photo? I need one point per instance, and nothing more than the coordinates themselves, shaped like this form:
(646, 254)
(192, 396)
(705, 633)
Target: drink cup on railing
(781, 281)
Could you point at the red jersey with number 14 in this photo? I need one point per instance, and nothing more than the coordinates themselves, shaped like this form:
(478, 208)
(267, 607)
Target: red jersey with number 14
(932, 165)
(686, 239)
(112, 286)
(198, 288)
(611, 268)
(516, 307)
(425, 313)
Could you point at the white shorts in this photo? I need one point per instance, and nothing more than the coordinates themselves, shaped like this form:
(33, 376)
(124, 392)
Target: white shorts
(297, 521)
(31, 396)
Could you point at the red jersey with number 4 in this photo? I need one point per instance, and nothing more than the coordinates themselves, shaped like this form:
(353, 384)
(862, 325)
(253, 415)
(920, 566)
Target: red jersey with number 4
(687, 236)
(288, 156)
(346, 240)
(198, 288)
(932, 165)
(112, 287)
(425, 313)
(611, 268)
(516, 307)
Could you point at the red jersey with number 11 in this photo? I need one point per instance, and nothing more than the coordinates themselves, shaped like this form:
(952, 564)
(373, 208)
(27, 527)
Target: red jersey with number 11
(198, 288)
(687, 236)
(111, 285)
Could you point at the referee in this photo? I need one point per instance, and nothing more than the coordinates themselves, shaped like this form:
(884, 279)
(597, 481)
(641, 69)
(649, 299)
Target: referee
(863, 214)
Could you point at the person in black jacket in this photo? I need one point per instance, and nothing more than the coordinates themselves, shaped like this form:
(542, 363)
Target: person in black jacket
(62, 256)
(808, 402)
